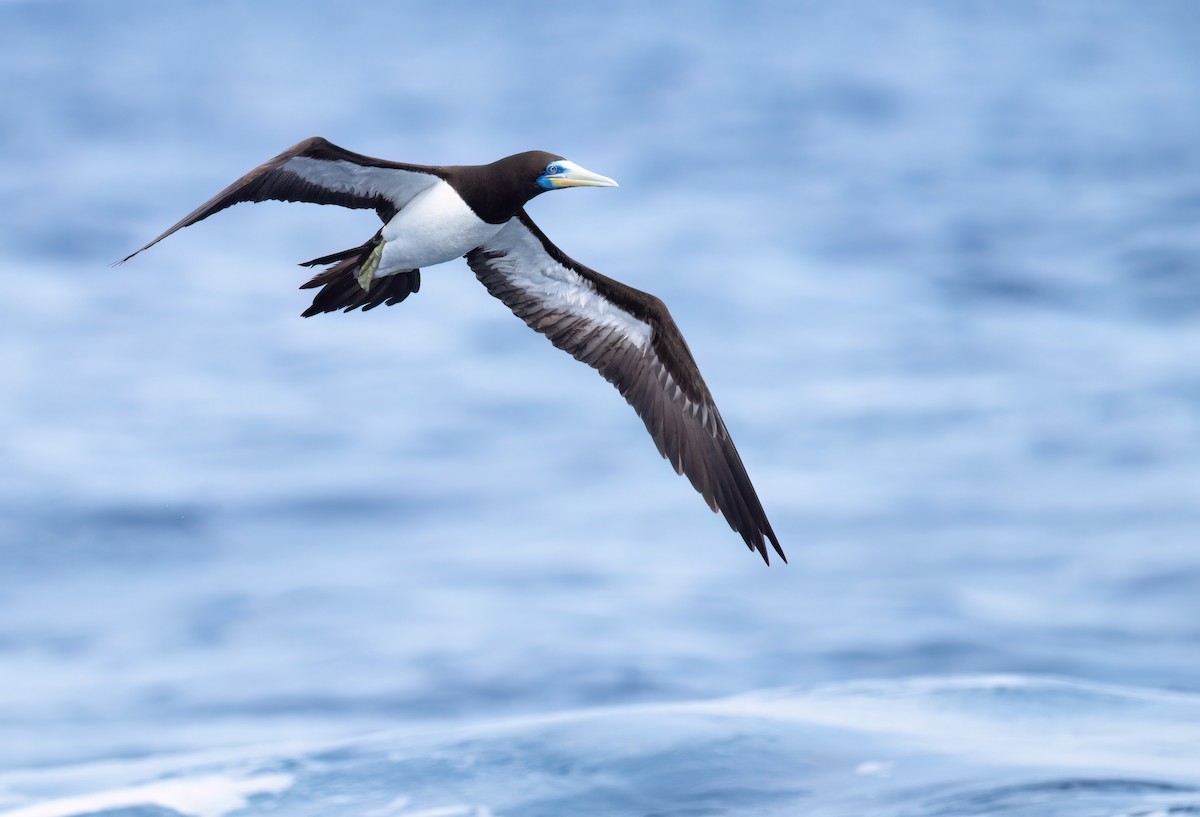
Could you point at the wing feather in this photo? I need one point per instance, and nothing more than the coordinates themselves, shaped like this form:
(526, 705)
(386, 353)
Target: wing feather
(319, 172)
(629, 337)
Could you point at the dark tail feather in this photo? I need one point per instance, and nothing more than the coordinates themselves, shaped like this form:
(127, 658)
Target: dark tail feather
(329, 259)
(340, 288)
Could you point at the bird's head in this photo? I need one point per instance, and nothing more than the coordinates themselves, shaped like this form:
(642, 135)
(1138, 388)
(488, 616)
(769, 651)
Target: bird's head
(559, 172)
(497, 191)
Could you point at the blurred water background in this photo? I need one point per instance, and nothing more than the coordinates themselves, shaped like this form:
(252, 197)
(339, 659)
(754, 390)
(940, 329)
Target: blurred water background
(939, 262)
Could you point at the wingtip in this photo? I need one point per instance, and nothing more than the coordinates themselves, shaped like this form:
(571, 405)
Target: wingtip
(775, 544)
(126, 258)
(759, 544)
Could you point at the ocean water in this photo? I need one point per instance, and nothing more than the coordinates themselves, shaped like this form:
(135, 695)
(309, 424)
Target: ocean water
(940, 265)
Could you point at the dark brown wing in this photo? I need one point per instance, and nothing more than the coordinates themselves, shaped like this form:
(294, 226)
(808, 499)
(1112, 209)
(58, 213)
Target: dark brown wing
(629, 337)
(320, 172)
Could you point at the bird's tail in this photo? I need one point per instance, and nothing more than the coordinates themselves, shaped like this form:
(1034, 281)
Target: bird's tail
(340, 286)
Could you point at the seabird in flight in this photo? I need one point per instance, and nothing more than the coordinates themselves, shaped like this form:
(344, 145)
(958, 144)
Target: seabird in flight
(433, 214)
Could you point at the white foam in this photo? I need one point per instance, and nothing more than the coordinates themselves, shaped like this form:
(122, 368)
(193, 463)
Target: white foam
(208, 796)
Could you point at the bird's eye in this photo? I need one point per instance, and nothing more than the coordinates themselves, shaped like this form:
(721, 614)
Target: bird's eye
(553, 169)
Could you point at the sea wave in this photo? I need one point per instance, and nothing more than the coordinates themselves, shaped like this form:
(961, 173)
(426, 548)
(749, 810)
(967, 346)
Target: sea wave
(1011, 745)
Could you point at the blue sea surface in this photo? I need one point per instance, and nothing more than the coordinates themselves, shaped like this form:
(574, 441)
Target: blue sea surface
(938, 261)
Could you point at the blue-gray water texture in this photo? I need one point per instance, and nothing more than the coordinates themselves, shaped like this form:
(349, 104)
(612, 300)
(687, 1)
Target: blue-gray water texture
(939, 262)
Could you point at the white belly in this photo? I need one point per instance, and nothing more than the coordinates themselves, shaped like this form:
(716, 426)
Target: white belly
(434, 227)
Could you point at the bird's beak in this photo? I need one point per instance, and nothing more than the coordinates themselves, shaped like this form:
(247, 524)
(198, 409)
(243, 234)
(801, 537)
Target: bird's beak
(573, 175)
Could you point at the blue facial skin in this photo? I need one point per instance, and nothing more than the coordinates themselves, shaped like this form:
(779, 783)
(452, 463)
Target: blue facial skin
(552, 169)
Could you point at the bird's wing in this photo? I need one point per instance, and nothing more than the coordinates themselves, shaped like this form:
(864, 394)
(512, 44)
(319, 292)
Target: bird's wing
(629, 337)
(320, 172)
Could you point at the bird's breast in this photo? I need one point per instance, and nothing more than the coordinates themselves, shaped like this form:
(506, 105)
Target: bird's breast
(436, 226)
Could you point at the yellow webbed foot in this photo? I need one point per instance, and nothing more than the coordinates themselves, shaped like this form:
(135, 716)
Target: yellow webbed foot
(366, 273)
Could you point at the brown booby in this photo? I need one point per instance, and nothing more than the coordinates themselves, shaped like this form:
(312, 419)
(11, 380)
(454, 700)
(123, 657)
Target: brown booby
(433, 214)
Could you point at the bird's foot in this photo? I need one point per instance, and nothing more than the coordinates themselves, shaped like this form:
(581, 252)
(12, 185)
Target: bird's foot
(366, 272)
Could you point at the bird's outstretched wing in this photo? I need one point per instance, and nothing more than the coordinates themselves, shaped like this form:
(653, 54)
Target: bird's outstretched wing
(320, 172)
(629, 337)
